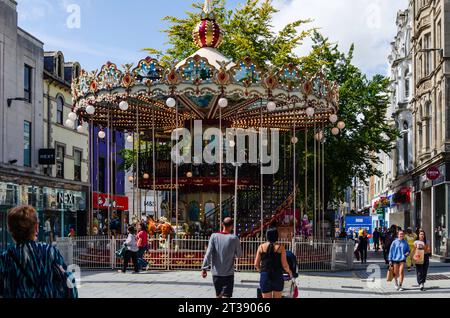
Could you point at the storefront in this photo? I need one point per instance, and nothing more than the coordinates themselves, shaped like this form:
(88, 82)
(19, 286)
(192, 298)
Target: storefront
(111, 214)
(432, 192)
(60, 211)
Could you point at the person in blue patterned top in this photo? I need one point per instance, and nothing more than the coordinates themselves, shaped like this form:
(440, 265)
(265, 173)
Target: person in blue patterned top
(30, 269)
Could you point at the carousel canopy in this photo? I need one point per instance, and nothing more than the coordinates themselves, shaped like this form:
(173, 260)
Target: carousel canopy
(149, 95)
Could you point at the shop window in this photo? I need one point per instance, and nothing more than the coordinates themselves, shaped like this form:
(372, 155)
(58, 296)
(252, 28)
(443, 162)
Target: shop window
(440, 222)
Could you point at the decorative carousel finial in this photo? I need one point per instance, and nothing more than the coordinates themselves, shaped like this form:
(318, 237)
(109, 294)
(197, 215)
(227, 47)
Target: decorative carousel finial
(207, 33)
(207, 8)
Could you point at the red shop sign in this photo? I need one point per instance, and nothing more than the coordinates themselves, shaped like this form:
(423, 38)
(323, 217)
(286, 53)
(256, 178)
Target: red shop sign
(433, 173)
(103, 201)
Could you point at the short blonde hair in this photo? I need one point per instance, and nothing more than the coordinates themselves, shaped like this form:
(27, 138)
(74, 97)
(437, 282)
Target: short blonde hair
(22, 222)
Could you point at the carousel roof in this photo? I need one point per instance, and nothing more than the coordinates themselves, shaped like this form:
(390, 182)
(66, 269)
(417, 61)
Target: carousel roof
(136, 98)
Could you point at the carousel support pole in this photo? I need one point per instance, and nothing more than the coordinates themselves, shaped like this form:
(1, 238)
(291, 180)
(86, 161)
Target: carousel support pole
(108, 150)
(323, 186)
(306, 170)
(294, 158)
(315, 181)
(176, 177)
(91, 178)
(261, 171)
(319, 184)
(220, 169)
(235, 196)
(156, 206)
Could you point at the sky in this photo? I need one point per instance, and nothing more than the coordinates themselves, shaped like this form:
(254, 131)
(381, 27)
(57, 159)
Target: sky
(93, 32)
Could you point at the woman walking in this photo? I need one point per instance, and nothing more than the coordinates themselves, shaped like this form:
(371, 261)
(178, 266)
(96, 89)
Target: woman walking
(30, 269)
(410, 238)
(131, 252)
(271, 261)
(398, 253)
(142, 244)
(363, 245)
(421, 255)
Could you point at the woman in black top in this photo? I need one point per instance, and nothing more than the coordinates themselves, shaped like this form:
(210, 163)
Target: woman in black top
(363, 245)
(271, 262)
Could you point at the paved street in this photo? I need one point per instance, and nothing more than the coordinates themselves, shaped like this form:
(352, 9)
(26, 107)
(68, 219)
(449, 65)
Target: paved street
(312, 285)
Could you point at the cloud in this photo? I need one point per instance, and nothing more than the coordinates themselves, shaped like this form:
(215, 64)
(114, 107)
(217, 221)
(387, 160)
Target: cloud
(369, 24)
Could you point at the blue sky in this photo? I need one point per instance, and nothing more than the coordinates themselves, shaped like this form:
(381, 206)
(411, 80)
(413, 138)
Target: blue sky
(117, 30)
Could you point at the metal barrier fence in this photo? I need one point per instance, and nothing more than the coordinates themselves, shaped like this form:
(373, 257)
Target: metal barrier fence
(187, 253)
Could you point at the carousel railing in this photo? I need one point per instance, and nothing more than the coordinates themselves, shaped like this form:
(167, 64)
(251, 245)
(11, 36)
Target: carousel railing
(187, 253)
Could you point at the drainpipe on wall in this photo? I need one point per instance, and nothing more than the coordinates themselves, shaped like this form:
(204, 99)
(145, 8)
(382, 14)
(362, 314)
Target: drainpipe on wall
(49, 124)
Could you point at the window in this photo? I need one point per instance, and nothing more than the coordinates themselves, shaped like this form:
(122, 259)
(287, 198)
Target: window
(439, 35)
(405, 147)
(428, 56)
(27, 144)
(59, 110)
(60, 154)
(60, 66)
(27, 83)
(407, 87)
(420, 138)
(77, 157)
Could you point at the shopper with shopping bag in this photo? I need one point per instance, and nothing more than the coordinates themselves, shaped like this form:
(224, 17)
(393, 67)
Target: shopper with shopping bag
(421, 259)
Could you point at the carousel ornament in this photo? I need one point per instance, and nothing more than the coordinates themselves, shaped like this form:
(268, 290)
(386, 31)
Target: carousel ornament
(223, 102)
(90, 110)
(146, 176)
(73, 116)
(333, 118)
(341, 125)
(101, 134)
(271, 106)
(80, 129)
(207, 32)
(294, 140)
(335, 131)
(171, 102)
(189, 174)
(310, 111)
(130, 179)
(123, 105)
(70, 123)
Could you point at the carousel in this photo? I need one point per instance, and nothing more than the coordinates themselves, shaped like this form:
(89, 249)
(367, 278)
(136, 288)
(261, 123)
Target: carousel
(152, 103)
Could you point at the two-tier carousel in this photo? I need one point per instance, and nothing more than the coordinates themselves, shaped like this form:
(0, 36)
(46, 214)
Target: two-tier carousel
(150, 101)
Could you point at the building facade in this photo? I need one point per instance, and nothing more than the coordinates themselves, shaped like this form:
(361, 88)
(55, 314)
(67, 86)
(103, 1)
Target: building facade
(70, 168)
(399, 165)
(431, 120)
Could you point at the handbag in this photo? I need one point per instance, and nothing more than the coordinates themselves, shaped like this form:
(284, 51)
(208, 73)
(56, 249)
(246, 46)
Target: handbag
(121, 252)
(357, 256)
(419, 257)
(390, 274)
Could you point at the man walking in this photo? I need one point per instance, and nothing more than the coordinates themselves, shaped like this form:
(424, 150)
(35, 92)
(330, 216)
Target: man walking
(223, 248)
(376, 240)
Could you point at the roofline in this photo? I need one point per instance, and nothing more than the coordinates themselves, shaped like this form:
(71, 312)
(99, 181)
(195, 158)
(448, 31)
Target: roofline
(30, 35)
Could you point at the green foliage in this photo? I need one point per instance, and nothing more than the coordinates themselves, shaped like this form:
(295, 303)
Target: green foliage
(247, 33)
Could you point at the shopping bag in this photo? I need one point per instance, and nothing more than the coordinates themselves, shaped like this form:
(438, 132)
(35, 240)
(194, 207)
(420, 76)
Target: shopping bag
(121, 252)
(357, 255)
(390, 274)
(419, 257)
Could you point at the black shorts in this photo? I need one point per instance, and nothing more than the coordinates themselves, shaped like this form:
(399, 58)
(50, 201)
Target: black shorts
(398, 263)
(224, 286)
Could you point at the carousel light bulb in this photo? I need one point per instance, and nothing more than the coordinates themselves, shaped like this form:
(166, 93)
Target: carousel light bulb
(171, 102)
(310, 111)
(101, 134)
(294, 140)
(341, 125)
(319, 136)
(189, 174)
(333, 118)
(146, 176)
(223, 102)
(130, 139)
(123, 105)
(232, 143)
(271, 106)
(73, 116)
(70, 123)
(90, 110)
(335, 131)
(80, 129)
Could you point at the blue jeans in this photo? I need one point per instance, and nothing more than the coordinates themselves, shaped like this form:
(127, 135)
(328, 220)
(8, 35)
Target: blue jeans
(142, 263)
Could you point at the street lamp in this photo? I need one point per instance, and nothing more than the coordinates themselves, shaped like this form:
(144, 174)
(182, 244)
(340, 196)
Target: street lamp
(10, 100)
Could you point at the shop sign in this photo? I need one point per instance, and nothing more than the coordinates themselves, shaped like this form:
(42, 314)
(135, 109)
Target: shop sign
(104, 201)
(47, 157)
(433, 173)
(66, 198)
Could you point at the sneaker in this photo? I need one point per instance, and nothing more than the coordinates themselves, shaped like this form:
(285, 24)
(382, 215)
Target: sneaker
(400, 288)
(396, 284)
(422, 287)
(121, 271)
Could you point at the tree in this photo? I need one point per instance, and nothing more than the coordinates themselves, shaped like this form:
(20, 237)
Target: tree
(363, 101)
(247, 33)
